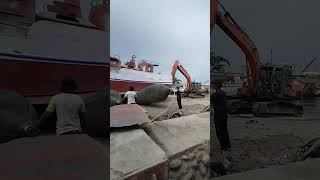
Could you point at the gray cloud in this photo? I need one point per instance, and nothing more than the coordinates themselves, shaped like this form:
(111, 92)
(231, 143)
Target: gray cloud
(290, 27)
(163, 31)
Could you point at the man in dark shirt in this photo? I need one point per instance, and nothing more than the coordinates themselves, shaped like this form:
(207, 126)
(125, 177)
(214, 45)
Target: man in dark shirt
(178, 92)
(218, 99)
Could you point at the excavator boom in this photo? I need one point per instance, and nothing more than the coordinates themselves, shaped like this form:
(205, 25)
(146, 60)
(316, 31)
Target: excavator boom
(233, 30)
(213, 13)
(178, 66)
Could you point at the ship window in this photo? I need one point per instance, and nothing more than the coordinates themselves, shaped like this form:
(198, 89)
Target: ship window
(68, 18)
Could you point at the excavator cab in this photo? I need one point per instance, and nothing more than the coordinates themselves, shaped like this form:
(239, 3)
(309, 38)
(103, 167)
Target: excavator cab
(274, 80)
(196, 86)
(265, 81)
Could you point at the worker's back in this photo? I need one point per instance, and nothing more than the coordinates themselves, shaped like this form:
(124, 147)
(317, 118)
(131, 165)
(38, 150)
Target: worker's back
(68, 107)
(219, 101)
(131, 95)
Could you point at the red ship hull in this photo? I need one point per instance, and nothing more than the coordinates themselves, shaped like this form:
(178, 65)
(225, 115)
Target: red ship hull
(39, 80)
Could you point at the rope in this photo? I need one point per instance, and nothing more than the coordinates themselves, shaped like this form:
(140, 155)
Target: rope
(208, 106)
(163, 110)
(205, 109)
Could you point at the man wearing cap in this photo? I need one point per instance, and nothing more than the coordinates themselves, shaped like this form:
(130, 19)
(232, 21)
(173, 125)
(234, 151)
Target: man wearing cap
(218, 99)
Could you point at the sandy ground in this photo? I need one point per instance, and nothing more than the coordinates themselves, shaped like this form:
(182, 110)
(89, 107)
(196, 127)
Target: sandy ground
(256, 142)
(169, 106)
(264, 142)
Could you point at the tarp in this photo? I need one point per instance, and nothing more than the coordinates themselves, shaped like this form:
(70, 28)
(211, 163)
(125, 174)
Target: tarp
(115, 98)
(152, 94)
(97, 123)
(15, 114)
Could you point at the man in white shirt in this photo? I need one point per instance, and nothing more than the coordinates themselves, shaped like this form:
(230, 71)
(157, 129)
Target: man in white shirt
(130, 95)
(69, 108)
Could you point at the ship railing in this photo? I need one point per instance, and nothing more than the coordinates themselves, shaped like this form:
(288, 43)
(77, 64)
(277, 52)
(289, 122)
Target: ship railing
(115, 56)
(98, 2)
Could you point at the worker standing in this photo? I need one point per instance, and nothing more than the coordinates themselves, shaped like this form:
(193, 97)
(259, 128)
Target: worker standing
(69, 108)
(178, 93)
(218, 99)
(130, 95)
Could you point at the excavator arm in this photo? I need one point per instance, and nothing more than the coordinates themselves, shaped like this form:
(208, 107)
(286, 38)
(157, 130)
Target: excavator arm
(234, 31)
(213, 13)
(178, 66)
(229, 26)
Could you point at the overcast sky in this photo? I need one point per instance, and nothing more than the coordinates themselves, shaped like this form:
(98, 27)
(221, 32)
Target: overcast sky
(163, 31)
(290, 27)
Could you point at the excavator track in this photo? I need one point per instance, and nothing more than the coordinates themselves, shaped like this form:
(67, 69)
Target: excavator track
(277, 108)
(265, 108)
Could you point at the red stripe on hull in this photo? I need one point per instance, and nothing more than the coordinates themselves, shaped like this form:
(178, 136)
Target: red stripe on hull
(31, 78)
(123, 86)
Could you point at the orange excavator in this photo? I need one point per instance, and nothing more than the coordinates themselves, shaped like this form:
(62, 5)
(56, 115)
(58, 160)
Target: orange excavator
(233, 30)
(192, 87)
(227, 23)
(183, 71)
(265, 83)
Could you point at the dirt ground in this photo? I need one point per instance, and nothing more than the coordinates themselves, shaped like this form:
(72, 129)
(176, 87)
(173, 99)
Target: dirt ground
(164, 110)
(265, 142)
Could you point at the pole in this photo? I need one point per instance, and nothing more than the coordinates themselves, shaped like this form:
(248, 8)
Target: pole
(271, 55)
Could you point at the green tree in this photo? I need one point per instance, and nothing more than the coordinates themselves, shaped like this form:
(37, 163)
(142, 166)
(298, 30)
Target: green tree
(218, 63)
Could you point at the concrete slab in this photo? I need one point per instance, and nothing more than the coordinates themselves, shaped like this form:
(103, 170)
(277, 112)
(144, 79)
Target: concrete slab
(127, 115)
(305, 170)
(132, 150)
(176, 135)
(53, 157)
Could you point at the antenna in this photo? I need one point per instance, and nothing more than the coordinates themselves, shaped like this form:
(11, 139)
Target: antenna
(271, 55)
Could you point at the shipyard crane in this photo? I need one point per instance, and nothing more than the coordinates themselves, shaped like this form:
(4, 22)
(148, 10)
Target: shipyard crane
(309, 64)
(256, 72)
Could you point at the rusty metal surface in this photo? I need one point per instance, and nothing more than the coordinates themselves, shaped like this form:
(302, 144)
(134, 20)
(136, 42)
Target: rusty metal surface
(127, 115)
(158, 172)
(53, 157)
